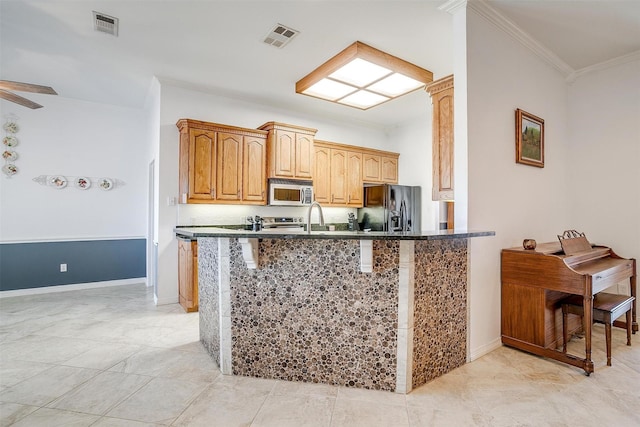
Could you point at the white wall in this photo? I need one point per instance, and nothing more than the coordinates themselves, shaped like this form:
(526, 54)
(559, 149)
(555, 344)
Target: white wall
(75, 138)
(460, 147)
(604, 164)
(414, 141)
(177, 103)
(517, 201)
(152, 111)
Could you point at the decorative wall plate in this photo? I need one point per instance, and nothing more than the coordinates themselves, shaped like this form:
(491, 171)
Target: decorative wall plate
(58, 181)
(10, 169)
(10, 141)
(9, 155)
(11, 127)
(82, 182)
(105, 183)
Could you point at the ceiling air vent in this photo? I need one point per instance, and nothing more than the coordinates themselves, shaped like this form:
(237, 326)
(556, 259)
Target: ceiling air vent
(105, 23)
(280, 35)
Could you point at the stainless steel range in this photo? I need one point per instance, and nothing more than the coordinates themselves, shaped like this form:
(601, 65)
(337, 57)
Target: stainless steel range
(282, 223)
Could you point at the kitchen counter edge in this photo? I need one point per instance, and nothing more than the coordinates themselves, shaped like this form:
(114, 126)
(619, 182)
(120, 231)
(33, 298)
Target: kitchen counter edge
(200, 231)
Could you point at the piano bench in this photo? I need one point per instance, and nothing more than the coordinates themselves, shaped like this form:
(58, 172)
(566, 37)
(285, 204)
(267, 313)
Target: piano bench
(606, 308)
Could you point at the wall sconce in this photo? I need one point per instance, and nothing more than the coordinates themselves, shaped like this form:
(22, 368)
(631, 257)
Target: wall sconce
(362, 77)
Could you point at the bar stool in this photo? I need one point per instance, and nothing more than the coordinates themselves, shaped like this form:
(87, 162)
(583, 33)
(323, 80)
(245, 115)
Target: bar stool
(606, 308)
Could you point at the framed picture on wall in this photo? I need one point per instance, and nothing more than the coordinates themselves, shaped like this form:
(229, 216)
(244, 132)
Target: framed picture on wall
(529, 139)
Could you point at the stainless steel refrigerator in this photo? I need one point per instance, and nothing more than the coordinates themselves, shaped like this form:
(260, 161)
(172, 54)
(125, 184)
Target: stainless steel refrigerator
(393, 208)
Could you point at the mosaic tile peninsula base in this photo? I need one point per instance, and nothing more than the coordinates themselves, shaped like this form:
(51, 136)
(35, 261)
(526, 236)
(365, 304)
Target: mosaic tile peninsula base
(308, 313)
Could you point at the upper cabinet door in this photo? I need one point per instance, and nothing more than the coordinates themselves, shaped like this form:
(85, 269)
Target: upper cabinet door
(229, 176)
(338, 177)
(372, 171)
(285, 153)
(202, 165)
(254, 169)
(304, 156)
(354, 179)
(390, 170)
(322, 175)
(443, 146)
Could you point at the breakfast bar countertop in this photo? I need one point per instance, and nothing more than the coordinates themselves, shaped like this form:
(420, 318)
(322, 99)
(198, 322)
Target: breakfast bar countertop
(205, 231)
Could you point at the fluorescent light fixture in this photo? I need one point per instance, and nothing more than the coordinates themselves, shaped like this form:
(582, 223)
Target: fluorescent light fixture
(362, 77)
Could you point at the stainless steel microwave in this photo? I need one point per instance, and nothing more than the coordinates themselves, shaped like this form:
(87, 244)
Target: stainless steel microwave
(286, 192)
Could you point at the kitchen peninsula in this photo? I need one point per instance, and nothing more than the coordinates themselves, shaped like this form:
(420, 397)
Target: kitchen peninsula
(375, 310)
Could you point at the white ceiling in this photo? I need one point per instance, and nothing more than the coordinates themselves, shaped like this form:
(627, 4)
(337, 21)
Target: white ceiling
(216, 45)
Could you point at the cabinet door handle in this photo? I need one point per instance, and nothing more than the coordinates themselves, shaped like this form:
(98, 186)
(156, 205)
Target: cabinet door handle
(332, 198)
(349, 199)
(213, 193)
(263, 195)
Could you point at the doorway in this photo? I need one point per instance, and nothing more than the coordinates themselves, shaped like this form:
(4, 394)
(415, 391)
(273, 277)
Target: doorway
(152, 244)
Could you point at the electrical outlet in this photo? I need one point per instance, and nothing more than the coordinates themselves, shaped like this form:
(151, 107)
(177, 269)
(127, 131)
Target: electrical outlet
(63, 268)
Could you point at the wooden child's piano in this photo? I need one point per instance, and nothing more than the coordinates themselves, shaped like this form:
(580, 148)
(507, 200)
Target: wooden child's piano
(534, 281)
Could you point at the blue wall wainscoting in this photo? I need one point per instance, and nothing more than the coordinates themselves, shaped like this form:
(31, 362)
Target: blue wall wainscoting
(37, 264)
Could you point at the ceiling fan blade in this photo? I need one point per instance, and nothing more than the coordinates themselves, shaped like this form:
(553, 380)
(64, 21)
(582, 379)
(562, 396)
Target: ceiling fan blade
(26, 87)
(18, 99)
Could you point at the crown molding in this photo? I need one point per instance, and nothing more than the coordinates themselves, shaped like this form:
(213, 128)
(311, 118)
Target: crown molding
(631, 57)
(509, 27)
(452, 6)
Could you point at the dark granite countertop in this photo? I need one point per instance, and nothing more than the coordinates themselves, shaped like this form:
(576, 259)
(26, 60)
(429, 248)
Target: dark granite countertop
(202, 231)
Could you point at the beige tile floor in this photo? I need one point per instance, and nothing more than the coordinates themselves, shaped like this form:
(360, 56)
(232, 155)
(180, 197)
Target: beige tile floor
(109, 357)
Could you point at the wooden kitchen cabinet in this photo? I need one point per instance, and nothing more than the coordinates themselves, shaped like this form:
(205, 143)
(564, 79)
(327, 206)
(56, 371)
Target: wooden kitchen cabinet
(339, 170)
(379, 167)
(441, 92)
(289, 151)
(372, 169)
(188, 274)
(229, 166)
(322, 174)
(338, 177)
(330, 182)
(221, 163)
(254, 169)
(354, 179)
(389, 170)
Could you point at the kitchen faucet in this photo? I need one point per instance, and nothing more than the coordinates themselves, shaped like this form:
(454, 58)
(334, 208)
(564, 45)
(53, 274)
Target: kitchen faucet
(309, 216)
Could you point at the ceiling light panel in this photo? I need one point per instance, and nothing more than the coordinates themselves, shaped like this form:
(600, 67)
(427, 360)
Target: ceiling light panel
(361, 76)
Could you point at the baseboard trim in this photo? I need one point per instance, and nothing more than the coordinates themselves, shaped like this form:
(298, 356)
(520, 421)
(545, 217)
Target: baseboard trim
(74, 287)
(477, 353)
(165, 301)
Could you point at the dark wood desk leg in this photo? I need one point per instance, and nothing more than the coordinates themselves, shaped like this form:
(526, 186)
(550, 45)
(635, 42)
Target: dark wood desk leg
(587, 308)
(634, 283)
(628, 329)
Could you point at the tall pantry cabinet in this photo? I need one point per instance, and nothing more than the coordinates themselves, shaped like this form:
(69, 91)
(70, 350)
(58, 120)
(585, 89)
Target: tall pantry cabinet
(441, 92)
